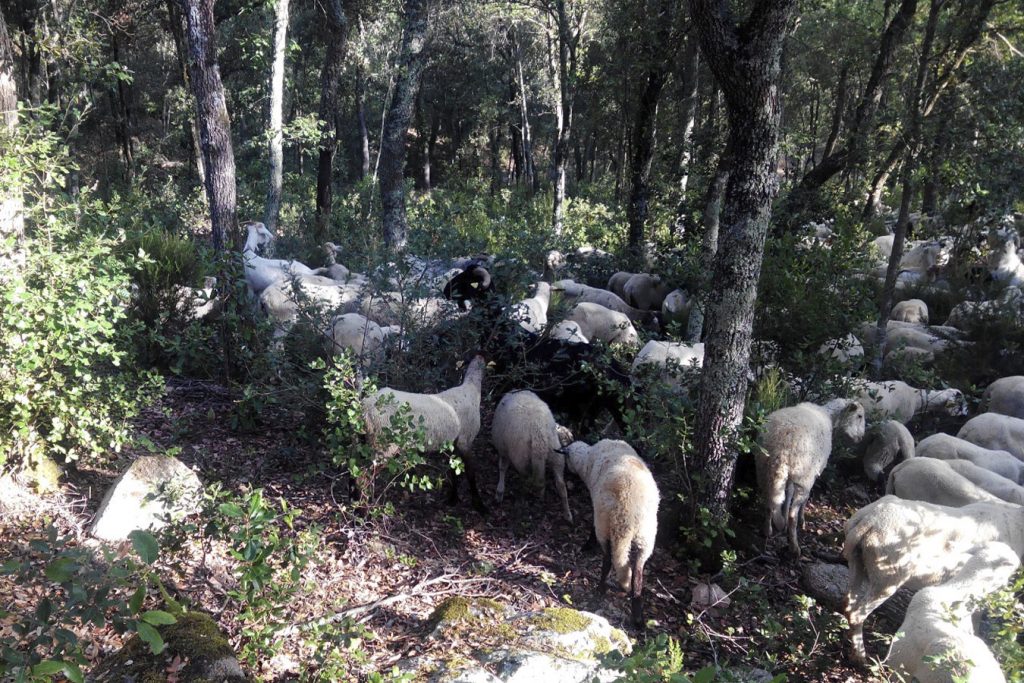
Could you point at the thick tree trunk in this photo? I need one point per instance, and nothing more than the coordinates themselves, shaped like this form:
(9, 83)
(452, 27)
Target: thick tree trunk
(330, 77)
(177, 26)
(411, 62)
(212, 114)
(276, 142)
(644, 138)
(569, 31)
(746, 64)
(529, 167)
(12, 219)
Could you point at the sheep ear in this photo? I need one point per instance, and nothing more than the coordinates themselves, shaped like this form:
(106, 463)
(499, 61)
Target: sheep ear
(561, 450)
(852, 406)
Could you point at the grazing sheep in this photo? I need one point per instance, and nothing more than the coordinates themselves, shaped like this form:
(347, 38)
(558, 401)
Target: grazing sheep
(646, 292)
(532, 313)
(393, 308)
(894, 542)
(281, 300)
(900, 401)
(569, 331)
(625, 499)
(907, 337)
(795, 444)
(362, 336)
(935, 643)
(676, 309)
(995, 484)
(997, 432)
(946, 447)
(598, 323)
(847, 350)
(617, 283)
(882, 246)
(928, 256)
(261, 272)
(887, 444)
(451, 415)
(934, 481)
(524, 433)
(471, 284)
(1004, 261)
(333, 269)
(910, 311)
(574, 293)
(672, 357)
(195, 303)
(1005, 396)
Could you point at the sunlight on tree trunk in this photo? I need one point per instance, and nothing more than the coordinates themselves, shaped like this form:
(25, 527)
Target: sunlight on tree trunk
(12, 219)
(276, 141)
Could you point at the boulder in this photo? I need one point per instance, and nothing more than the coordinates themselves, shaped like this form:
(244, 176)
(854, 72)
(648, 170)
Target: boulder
(152, 490)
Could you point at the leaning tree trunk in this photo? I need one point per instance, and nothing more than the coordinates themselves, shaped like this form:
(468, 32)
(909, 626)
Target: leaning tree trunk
(12, 220)
(411, 62)
(746, 64)
(709, 248)
(276, 141)
(337, 33)
(212, 114)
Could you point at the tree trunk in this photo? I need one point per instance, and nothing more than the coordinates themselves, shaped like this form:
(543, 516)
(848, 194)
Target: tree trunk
(177, 26)
(212, 114)
(330, 76)
(568, 38)
(529, 167)
(12, 218)
(691, 101)
(494, 149)
(644, 138)
(119, 102)
(276, 142)
(411, 62)
(364, 132)
(709, 248)
(837, 113)
(874, 200)
(746, 64)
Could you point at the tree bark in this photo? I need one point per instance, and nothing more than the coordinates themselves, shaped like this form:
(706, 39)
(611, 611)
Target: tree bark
(177, 27)
(411, 62)
(837, 113)
(364, 132)
(276, 141)
(710, 221)
(691, 83)
(746, 62)
(212, 115)
(12, 217)
(529, 167)
(569, 28)
(330, 76)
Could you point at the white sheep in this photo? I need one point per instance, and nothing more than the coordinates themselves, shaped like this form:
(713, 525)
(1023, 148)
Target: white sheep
(892, 543)
(1004, 261)
(617, 283)
(887, 443)
(910, 311)
(909, 337)
(968, 313)
(573, 293)
(449, 416)
(261, 272)
(794, 447)
(567, 330)
(532, 313)
(947, 447)
(846, 350)
(362, 336)
(394, 308)
(995, 484)
(645, 291)
(525, 435)
(900, 401)
(333, 269)
(282, 300)
(934, 481)
(672, 357)
(676, 308)
(1005, 396)
(935, 643)
(625, 499)
(598, 323)
(195, 303)
(997, 432)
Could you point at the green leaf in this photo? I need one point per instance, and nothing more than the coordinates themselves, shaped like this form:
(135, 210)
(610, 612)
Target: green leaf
(61, 569)
(43, 610)
(73, 673)
(151, 636)
(705, 675)
(158, 617)
(49, 667)
(135, 603)
(230, 510)
(145, 546)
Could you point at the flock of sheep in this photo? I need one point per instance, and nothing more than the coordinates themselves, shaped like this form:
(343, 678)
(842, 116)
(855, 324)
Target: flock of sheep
(952, 523)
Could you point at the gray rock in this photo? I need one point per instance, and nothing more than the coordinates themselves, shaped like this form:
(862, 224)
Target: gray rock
(529, 667)
(153, 488)
(827, 584)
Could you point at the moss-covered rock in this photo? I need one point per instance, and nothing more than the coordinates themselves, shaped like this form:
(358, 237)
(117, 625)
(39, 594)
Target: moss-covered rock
(42, 473)
(195, 638)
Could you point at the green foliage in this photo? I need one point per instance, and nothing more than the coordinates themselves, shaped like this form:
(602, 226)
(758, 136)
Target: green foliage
(660, 660)
(1006, 628)
(81, 590)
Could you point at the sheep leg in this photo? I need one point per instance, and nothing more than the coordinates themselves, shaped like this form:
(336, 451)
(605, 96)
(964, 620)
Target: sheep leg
(794, 516)
(591, 543)
(474, 492)
(503, 463)
(563, 494)
(636, 589)
(858, 610)
(606, 567)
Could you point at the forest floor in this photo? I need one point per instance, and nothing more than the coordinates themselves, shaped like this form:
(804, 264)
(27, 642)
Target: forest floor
(389, 572)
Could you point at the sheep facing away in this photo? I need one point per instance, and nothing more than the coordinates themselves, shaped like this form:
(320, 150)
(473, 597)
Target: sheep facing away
(625, 499)
(947, 447)
(574, 293)
(598, 323)
(886, 445)
(990, 482)
(795, 444)
(525, 435)
(892, 543)
(934, 481)
(996, 432)
(1005, 396)
(449, 416)
(645, 291)
(936, 643)
(900, 401)
(910, 311)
